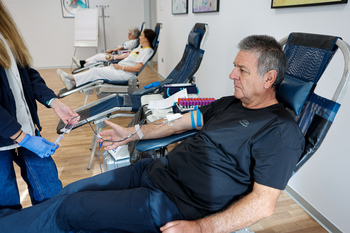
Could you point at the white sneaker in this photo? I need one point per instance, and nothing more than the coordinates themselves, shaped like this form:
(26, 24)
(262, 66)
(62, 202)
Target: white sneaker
(59, 72)
(67, 83)
(76, 61)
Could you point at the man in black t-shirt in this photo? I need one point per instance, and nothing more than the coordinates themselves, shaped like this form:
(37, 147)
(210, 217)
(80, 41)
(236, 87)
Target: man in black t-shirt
(223, 179)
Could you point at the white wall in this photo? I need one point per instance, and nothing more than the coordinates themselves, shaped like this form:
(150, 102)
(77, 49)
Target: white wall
(50, 37)
(323, 180)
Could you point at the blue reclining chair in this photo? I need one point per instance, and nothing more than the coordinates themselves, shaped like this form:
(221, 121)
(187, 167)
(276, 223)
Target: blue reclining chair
(189, 63)
(308, 56)
(103, 85)
(313, 112)
(99, 63)
(183, 73)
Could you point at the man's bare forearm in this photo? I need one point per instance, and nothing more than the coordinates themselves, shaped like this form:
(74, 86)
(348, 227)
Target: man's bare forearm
(260, 203)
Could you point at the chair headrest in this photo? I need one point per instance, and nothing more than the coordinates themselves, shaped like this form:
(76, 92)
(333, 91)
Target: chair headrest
(199, 27)
(142, 26)
(194, 39)
(156, 30)
(312, 40)
(196, 35)
(307, 56)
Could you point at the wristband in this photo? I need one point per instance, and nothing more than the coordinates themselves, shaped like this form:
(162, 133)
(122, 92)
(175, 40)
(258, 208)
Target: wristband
(122, 68)
(18, 135)
(49, 102)
(192, 121)
(199, 119)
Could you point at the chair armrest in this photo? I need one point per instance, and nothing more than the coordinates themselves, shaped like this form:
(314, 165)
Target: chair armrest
(146, 145)
(143, 91)
(64, 92)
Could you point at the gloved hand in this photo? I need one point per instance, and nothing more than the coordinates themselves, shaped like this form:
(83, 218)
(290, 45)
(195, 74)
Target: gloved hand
(39, 145)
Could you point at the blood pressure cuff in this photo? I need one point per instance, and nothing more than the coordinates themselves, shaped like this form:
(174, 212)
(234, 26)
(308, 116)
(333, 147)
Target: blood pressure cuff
(171, 89)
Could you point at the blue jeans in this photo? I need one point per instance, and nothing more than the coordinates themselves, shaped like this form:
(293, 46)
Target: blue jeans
(40, 175)
(121, 200)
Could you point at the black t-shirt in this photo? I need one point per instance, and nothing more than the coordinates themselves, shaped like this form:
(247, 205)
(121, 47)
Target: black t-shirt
(235, 148)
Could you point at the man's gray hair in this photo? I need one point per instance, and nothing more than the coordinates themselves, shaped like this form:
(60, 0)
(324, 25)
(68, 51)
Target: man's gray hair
(270, 55)
(134, 31)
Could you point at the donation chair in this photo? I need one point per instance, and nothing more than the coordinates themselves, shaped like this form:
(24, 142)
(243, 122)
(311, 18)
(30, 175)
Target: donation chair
(189, 63)
(105, 87)
(308, 56)
(101, 63)
(182, 73)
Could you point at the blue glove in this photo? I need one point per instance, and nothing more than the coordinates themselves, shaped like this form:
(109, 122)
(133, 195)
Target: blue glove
(39, 145)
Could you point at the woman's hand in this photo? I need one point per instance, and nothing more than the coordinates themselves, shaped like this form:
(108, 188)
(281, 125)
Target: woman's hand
(64, 112)
(117, 66)
(109, 57)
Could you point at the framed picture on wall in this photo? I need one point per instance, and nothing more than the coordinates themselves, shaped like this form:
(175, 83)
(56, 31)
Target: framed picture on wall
(202, 6)
(179, 7)
(296, 3)
(70, 6)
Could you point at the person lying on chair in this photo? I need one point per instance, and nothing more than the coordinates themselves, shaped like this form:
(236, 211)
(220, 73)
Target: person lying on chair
(130, 64)
(226, 177)
(131, 44)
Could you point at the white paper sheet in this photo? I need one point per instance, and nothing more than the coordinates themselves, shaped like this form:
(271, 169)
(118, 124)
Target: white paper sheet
(168, 102)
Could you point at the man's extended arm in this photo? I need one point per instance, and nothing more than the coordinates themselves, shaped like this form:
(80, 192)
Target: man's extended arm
(149, 131)
(258, 204)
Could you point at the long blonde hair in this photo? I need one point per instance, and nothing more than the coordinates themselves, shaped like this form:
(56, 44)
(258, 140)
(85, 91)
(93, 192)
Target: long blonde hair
(18, 48)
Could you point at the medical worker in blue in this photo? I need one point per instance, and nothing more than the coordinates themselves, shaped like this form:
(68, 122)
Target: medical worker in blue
(20, 140)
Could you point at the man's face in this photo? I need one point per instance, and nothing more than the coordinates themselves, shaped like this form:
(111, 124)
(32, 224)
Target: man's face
(249, 87)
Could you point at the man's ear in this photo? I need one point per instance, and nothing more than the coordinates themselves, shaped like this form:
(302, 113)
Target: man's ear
(269, 78)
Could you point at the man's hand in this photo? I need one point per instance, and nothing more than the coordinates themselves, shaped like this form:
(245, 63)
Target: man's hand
(117, 133)
(181, 226)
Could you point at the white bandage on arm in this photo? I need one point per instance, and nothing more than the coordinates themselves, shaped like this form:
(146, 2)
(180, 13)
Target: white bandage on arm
(172, 117)
(138, 131)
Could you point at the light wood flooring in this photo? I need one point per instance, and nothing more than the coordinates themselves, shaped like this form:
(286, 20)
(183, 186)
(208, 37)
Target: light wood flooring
(73, 155)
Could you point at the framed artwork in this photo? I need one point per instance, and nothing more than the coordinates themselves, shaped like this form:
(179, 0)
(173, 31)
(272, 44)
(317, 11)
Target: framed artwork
(296, 3)
(202, 6)
(179, 7)
(70, 6)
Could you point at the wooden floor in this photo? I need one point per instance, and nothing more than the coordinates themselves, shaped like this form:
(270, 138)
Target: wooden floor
(73, 155)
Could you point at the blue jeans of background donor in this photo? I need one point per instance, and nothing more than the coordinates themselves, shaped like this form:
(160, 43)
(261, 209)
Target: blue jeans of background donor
(121, 200)
(40, 175)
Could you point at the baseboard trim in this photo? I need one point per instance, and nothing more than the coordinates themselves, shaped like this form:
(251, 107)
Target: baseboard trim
(315, 214)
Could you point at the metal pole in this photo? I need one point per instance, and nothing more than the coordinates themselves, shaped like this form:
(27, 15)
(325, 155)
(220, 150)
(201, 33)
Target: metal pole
(104, 30)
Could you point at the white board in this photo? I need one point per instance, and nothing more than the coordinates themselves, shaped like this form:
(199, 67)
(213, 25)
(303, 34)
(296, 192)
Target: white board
(86, 28)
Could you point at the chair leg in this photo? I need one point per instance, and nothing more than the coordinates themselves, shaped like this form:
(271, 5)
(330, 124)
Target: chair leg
(93, 140)
(98, 130)
(86, 98)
